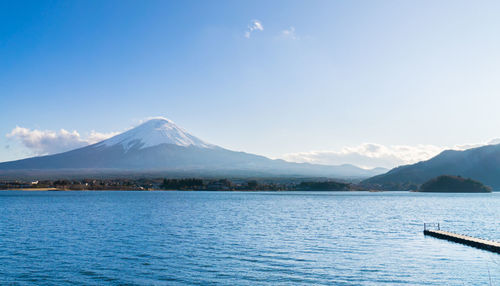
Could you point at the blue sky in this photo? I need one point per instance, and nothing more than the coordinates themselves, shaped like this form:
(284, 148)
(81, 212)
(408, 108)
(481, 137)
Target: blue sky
(320, 81)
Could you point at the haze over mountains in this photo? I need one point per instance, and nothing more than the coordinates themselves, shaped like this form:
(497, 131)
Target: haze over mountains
(160, 146)
(481, 163)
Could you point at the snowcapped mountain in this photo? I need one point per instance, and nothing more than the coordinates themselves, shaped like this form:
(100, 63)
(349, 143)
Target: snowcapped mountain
(158, 146)
(155, 132)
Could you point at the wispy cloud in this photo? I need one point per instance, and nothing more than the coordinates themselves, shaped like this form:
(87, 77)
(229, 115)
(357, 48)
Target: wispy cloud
(255, 25)
(290, 33)
(43, 142)
(370, 155)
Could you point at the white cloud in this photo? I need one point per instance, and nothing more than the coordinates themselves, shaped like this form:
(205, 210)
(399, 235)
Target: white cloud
(43, 142)
(494, 141)
(255, 25)
(289, 33)
(95, 137)
(369, 155)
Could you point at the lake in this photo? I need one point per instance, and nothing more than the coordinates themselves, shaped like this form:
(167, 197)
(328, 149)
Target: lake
(243, 238)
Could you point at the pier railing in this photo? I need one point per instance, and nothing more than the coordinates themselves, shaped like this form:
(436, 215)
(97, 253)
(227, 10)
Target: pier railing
(428, 226)
(459, 238)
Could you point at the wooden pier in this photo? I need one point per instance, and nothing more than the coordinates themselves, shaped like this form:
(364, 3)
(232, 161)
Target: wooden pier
(463, 239)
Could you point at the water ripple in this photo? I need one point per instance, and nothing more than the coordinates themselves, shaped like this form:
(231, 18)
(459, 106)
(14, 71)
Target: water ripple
(179, 238)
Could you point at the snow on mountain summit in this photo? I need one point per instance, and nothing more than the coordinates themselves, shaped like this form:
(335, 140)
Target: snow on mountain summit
(155, 132)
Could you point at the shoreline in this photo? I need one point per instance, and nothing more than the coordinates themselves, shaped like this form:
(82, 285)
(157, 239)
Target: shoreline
(162, 190)
(34, 189)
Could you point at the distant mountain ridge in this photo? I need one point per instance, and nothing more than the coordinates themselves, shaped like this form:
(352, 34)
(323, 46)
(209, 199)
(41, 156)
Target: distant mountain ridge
(481, 164)
(159, 145)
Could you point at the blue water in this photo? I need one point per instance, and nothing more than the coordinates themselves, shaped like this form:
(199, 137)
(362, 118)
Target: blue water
(237, 238)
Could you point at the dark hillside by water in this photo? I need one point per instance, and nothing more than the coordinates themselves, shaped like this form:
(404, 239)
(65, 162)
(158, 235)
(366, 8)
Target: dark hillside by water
(482, 164)
(453, 184)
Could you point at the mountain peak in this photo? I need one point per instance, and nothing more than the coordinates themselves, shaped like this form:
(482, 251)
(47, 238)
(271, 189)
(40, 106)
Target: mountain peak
(156, 131)
(157, 121)
(159, 146)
